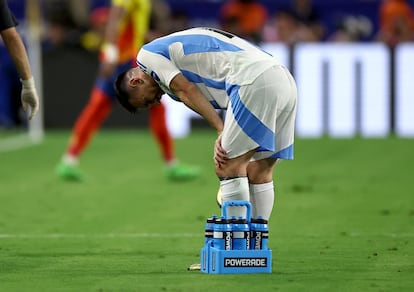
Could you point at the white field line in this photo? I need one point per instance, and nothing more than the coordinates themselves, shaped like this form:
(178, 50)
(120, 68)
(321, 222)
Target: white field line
(16, 142)
(163, 235)
(102, 236)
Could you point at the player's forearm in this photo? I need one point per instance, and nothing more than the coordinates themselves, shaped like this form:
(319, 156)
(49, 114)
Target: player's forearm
(110, 48)
(192, 97)
(17, 52)
(195, 100)
(111, 31)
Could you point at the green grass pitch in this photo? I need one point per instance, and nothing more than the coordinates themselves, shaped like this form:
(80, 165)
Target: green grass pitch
(343, 220)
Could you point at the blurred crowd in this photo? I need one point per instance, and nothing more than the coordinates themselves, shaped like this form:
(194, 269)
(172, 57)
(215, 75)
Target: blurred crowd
(302, 22)
(81, 23)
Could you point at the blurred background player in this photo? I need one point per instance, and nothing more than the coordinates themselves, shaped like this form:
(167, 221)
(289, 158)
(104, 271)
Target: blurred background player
(18, 54)
(126, 30)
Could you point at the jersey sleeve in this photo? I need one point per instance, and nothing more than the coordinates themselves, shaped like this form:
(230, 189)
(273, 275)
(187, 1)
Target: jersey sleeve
(7, 18)
(157, 66)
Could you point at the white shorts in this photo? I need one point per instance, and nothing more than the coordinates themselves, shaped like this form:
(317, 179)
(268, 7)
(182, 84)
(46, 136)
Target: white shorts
(262, 116)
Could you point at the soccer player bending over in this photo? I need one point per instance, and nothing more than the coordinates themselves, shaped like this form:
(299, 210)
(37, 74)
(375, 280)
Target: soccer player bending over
(209, 69)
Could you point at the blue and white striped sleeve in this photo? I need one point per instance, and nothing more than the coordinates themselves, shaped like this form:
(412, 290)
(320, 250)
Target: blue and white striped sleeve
(157, 66)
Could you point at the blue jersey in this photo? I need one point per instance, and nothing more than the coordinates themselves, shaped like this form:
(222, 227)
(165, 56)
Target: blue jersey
(212, 59)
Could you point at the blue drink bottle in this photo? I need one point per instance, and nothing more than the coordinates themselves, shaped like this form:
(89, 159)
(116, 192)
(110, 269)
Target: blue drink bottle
(222, 234)
(209, 228)
(241, 233)
(259, 233)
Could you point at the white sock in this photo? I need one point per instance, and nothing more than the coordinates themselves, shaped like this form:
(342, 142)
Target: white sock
(262, 199)
(171, 163)
(70, 160)
(235, 189)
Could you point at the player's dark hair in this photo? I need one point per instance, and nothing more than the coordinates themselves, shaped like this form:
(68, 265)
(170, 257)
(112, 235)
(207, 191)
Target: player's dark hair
(121, 92)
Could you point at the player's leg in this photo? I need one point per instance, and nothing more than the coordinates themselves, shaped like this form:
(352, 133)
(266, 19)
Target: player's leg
(158, 125)
(260, 174)
(260, 169)
(89, 121)
(250, 123)
(234, 183)
(240, 147)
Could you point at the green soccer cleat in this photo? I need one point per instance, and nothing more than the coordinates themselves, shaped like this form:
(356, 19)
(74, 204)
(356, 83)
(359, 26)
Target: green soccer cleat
(69, 172)
(181, 172)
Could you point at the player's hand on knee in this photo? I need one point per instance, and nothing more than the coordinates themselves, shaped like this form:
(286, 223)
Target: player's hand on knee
(220, 155)
(29, 97)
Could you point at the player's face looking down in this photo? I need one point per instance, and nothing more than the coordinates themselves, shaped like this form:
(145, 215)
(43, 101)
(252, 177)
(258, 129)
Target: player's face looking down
(143, 91)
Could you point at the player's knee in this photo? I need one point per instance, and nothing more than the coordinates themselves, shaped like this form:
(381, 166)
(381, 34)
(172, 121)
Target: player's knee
(260, 178)
(230, 170)
(260, 171)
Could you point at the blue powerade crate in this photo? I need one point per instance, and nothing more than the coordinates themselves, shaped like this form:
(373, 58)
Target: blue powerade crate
(217, 255)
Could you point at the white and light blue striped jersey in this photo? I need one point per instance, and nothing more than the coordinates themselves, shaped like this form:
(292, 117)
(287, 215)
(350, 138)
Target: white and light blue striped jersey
(212, 59)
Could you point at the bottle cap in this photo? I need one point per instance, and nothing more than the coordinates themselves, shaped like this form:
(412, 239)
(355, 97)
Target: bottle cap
(259, 220)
